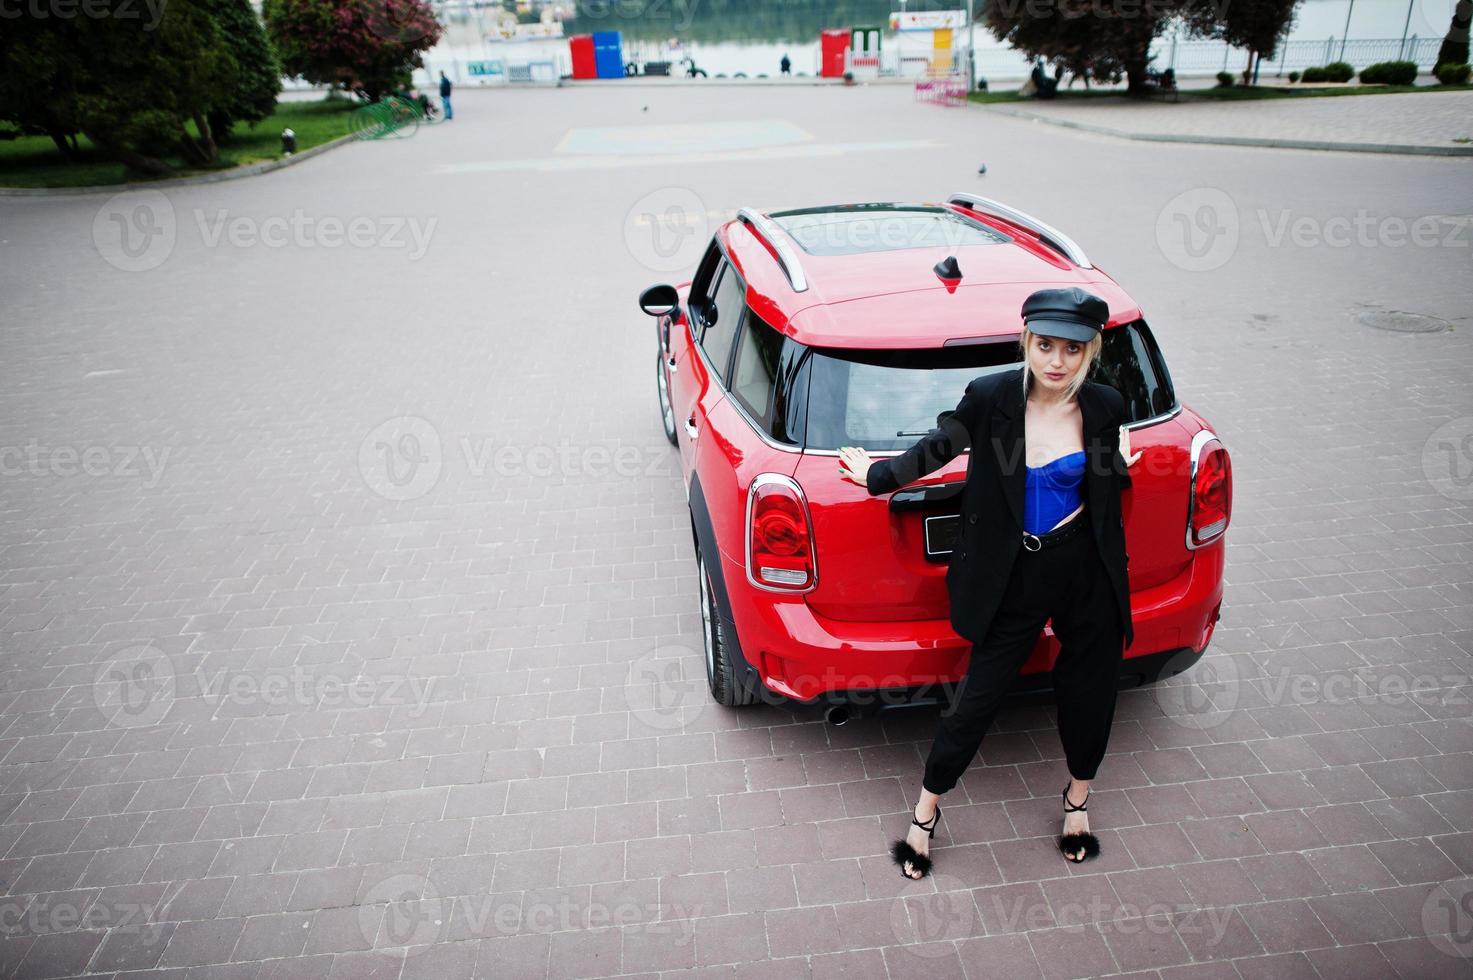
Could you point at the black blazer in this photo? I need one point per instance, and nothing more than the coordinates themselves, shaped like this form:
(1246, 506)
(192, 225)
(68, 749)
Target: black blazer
(990, 416)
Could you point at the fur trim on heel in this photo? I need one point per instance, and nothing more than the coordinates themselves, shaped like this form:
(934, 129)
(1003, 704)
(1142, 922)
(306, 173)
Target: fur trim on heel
(1069, 843)
(903, 852)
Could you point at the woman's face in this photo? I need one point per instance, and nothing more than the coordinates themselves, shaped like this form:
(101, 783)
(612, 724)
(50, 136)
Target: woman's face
(1054, 361)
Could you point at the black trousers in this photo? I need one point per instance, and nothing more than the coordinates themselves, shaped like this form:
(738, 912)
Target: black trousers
(1068, 583)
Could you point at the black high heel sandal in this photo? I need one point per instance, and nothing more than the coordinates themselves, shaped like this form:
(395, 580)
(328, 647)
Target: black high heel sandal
(1069, 843)
(902, 852)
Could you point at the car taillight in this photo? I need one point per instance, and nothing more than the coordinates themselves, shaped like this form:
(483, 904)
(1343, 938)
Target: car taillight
(1212, 490)
(779, 535)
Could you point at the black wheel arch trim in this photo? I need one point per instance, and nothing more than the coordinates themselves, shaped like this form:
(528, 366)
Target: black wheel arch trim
(703, 534)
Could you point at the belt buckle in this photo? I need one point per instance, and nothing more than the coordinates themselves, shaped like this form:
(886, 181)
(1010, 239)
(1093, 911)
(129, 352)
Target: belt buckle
(1037, 544)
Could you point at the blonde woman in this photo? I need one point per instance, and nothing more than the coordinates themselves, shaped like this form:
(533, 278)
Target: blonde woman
(1042, 537)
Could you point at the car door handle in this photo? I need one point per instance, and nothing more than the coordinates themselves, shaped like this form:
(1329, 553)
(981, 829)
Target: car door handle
(690, 426)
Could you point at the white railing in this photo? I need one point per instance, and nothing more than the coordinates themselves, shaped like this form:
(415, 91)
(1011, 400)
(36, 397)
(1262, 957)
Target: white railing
(1205, 58)
(1210, 57)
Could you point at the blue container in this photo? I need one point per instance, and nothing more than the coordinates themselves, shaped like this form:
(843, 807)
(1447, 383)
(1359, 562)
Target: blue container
(608, 54)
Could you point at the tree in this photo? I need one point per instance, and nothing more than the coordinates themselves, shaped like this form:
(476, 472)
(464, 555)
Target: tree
(373, 44)
(1105, 39)
(1454, 47)
(38, 64)
(132, 88)
(258, 81)
(1257, 25)
(1089, 40)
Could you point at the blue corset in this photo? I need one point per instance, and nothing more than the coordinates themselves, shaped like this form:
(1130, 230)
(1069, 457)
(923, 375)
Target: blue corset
(1053, 491)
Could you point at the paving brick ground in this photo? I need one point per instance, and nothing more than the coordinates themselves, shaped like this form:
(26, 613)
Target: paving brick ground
(317, 658)
(1415, 119)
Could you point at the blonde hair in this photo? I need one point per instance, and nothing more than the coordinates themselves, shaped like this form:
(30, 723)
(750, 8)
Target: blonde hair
(1092, 348)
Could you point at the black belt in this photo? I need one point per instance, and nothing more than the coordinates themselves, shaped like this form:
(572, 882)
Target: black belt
(1037, 542)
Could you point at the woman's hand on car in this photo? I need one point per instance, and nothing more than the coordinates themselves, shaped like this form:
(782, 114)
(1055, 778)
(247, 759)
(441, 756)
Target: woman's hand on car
(1125, 447)
(854, 465)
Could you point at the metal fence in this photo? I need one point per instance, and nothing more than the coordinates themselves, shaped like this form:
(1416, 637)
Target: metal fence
(1210, 57)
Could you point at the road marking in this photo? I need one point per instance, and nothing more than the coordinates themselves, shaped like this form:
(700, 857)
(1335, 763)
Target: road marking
(662, 138)
(669, 159)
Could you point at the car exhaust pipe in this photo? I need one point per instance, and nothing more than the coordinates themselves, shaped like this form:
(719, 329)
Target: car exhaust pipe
(836, 715)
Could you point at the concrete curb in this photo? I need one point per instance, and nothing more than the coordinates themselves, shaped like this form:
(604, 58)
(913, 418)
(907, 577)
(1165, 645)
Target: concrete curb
(1290, 144)
(249, 170)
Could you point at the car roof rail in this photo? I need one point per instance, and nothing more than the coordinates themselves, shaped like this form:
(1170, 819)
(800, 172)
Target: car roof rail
(786, 257)
(1049, 235)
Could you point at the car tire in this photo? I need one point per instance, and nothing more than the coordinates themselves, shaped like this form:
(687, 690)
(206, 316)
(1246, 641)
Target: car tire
(726, 688)
(662, 383)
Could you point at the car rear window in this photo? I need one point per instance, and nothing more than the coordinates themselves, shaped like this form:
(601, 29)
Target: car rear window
(886, 400)
(879, 228)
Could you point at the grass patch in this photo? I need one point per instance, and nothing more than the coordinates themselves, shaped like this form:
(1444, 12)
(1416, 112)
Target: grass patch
(34, 161)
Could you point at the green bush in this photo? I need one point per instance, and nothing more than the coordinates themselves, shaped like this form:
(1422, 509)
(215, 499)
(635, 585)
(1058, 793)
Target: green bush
(1224, 79)
(1335, 71)
(1390, 73)
(1449, 73)
(1293, 76)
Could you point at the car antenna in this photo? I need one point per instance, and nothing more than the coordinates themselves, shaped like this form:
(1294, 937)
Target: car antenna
(948, 272)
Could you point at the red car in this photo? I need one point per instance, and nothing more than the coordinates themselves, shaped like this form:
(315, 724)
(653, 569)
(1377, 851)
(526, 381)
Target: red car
(807, 330)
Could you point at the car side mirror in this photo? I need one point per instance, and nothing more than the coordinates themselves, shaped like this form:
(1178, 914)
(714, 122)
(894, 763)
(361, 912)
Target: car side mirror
(659, 300)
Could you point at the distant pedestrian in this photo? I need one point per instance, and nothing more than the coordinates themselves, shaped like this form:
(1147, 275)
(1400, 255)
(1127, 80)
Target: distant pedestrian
(786, 64)
(445, 96)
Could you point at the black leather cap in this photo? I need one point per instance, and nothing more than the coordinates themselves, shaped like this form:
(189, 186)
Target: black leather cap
(1072, 313)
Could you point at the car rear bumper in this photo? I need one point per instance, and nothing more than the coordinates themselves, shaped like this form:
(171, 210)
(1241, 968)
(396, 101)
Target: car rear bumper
(800, 656)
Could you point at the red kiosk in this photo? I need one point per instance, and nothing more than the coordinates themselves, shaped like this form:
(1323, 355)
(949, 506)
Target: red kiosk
(580, 50)
(833, 44)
